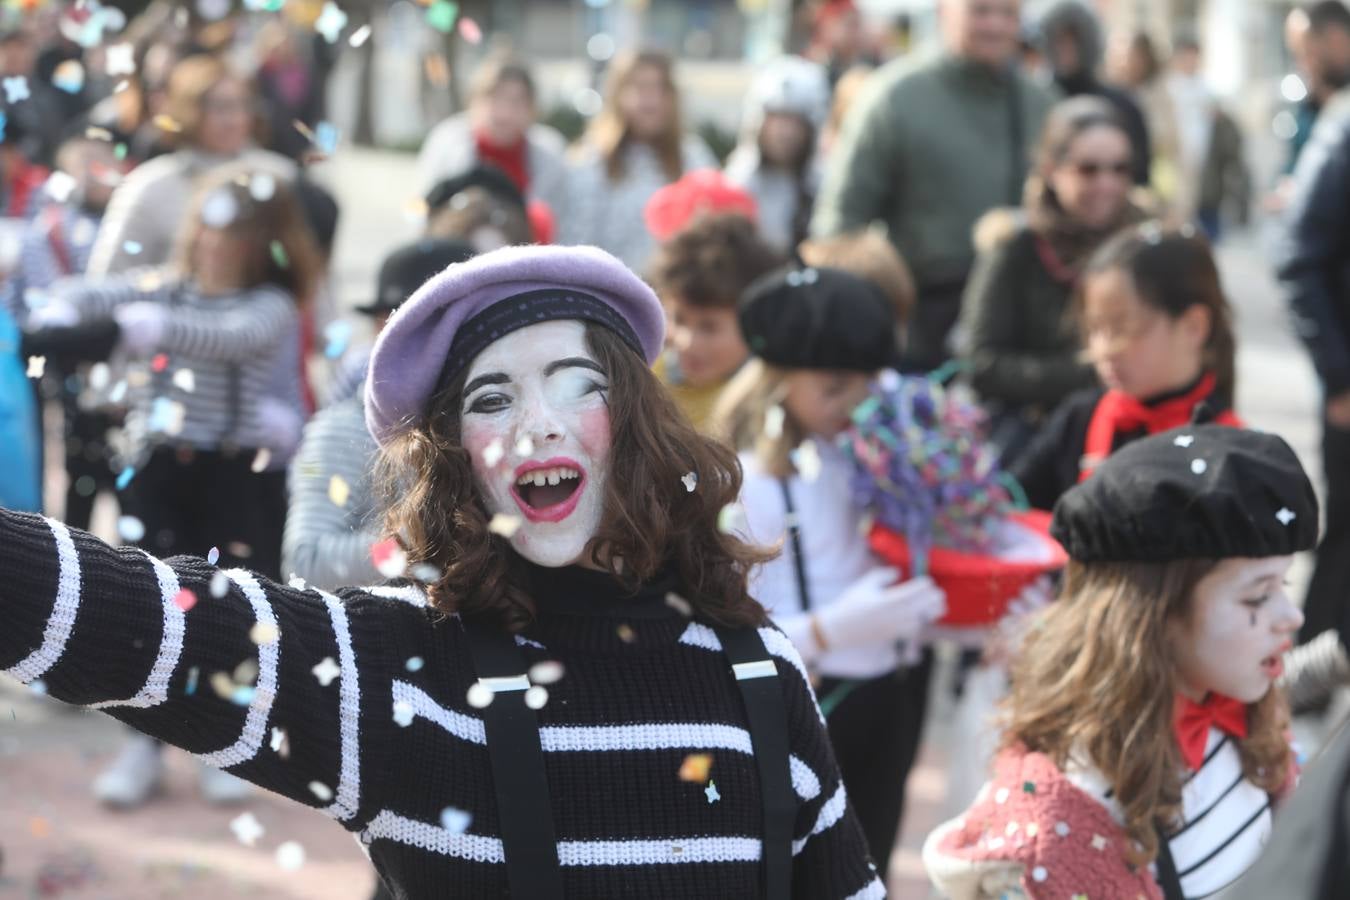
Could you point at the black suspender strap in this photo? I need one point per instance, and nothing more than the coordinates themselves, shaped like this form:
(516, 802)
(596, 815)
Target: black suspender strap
(1168, 880)
(517, 759)
(795, 536)
(757, 677)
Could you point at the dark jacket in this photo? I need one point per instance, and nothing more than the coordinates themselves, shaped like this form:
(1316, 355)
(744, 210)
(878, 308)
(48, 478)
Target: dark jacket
(1226, 182)
(1021, 348)
(1313, 257)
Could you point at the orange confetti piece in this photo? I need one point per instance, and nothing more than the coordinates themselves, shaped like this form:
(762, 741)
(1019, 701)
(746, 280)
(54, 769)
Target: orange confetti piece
(159, 362)
(696, 767)
(185, 599)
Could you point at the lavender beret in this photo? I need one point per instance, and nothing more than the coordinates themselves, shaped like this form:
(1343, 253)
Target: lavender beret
(457, 313)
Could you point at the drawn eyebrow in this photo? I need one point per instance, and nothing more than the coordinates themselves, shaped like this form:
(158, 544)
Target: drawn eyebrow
(573, 362)
(482, 380)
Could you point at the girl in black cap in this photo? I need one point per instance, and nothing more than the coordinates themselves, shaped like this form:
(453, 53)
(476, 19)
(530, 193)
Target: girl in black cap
(1144, 739)
(818, 337)
(1157, 328)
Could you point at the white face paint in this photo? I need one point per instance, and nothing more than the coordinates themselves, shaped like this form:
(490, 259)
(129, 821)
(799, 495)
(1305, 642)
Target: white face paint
(535, 420)
(1241, 622)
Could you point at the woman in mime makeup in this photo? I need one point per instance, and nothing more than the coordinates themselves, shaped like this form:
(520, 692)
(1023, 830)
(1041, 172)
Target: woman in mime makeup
(571, 695)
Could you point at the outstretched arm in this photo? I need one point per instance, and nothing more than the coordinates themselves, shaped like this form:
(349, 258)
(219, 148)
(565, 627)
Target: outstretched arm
(265, 681)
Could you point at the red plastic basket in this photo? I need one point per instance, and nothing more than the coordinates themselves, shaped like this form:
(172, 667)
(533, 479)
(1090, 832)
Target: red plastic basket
(979, 586)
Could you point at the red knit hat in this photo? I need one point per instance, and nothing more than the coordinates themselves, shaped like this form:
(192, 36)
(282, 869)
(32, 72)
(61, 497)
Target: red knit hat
(702, 191)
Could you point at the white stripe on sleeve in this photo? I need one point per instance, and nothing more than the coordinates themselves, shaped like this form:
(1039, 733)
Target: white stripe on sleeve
(156, 688)
(62, 620)
(348, 796)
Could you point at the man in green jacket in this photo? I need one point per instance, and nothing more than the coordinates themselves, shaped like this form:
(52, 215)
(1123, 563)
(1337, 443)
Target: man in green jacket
(929, 148)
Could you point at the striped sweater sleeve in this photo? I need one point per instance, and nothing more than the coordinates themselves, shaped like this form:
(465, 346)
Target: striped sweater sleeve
(235, 335)
(830, 857)
(324, 543)
(264, 681)
(96, 298)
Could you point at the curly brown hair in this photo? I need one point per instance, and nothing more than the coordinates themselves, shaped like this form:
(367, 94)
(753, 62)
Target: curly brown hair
(651, 524)
(1095, 681)
(711, 261)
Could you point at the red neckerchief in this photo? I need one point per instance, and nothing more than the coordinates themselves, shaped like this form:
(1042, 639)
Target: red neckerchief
(1118, 412)
(510, 159)
(1191, 722)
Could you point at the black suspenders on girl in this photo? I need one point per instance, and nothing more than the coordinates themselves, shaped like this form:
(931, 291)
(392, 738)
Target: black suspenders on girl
(529, 843)
(795, 536)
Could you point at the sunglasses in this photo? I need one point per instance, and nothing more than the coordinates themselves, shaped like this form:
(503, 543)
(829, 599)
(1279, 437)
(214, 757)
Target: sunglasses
(1093, 169)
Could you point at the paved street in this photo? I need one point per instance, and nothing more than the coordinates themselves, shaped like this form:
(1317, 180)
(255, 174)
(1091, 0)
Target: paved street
(177, 846)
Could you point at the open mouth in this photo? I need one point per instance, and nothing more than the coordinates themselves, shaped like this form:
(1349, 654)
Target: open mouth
(1273, 665)
(548, 492)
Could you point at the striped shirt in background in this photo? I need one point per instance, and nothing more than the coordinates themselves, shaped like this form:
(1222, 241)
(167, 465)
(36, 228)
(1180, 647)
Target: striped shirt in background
(369, 695)
(331, 522)
(217, 359)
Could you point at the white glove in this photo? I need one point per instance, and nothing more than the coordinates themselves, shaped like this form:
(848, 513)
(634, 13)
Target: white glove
(53, 314)
(877, 610)
(143, 324)
(281, 426)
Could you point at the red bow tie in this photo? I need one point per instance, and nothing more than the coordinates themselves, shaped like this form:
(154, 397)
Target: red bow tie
(1191, 722)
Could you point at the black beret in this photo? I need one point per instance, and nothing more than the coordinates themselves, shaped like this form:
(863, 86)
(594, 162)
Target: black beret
(818, 318)
(1197, 492)
(488, 177)
(408, 268)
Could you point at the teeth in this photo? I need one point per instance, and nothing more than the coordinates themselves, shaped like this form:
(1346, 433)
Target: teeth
(541, 477)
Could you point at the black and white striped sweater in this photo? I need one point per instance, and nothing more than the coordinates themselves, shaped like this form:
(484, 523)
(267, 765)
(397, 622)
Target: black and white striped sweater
(370, 693)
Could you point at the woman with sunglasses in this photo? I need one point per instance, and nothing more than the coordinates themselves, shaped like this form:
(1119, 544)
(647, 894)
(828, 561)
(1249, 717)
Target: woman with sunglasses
(1020, 347)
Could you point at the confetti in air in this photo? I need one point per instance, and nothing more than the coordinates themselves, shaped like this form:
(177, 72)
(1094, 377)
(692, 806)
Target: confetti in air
(264, 633)
(59, 186)
(321, 791)
(696, 767)
(159, 362)
(524, 446)
(359, 36)
(469, 31)
(690, 480)
(455, 821)
(36, 366)
(185, 381)
(331, 21)
(414, 664)
(493, 453)
(290, 856)
(549, 671)
(185, 599)
(247, 829)
(536, 697)
(403, 713)
(479, 695)
(711, 793)
(213, 556)
(167, 123)
(16, 89)
(326, 138)
(220, 585)
(279, 255)
(504, 524)
(278, 742)
(191, 687)
(120, 60)
(130, 529)
(389, 558)
(261, 460)
(69, 77)
(338, 491)
(441, 15)
(326, 671)
(336, 337)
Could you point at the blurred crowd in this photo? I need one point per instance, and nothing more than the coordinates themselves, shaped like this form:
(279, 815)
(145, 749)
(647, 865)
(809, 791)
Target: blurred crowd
(1037, 202)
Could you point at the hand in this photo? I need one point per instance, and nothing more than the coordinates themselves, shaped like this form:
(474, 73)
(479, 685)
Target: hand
(1338, 410)
(875, 609)
(142, 324)
(281, 426)
(52, 314)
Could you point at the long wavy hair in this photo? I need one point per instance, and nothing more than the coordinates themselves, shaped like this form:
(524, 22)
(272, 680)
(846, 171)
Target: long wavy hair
(742, 412)
(650, 524)
(609, 133)
(1095, 682)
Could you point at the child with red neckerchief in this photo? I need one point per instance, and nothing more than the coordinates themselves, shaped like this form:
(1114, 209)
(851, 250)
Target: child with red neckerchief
(1157, 328)
(1144, 738)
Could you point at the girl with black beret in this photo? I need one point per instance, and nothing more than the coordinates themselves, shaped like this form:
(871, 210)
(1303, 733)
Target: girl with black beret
(1157, 328)
(1144, 738)
(818, 336)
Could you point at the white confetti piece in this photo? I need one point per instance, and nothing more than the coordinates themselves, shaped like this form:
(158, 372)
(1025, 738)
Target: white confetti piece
(1198, 466)
(479, 695)
(679, 604)
(36, 366)
(130, 529)
(711, 792)
(298, 583)
(326, 671)
(1062, 829)
(219, 209)
(338, 491)
(807, 460)
(403, 713)
(261, 461)
(773, 422)
(247, 829)
(220, 585)
(213, 556)
(690, 480)
(1286, 515)
(1098, 842)
(359, 36)
(536, 697)
(264, 633)
(493, 453)
(185, 381)
(1039, 873)
(100, 374)
(331, 21)
(1001, 795)
(262, 187)
(425, 573)
(504, 524)
(59, 186)
(389, 558)
(278, 742)
(455, 821)
(524, 446)
(731, 519)
(290, 856)
(39, 687)
(321, 791)
(120, 60)
(1184, 440)
(414, 664)
(133, 248)
(16, 89)
(550, 671)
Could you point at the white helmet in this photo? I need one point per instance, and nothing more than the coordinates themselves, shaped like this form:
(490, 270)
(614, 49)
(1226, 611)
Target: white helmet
(792, 85)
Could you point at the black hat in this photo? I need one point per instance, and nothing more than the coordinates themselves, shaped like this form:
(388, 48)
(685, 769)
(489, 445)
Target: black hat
(407, 268)
(488, 177)
(818, 318)
(1198, 492)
